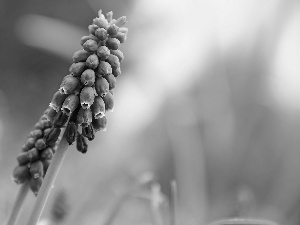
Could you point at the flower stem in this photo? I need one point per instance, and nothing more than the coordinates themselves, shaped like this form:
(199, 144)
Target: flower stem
(48, 181)
(16, 210)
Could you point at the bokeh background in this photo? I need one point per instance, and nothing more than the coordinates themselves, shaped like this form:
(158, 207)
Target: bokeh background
(209, 97)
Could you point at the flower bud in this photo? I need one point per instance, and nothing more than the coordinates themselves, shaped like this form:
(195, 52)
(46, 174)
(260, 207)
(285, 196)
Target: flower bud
(36, 169)
(46, 131)
(88, 132)
(90, 46)
(30, 143)
(104, 68)
(101, 34)
(123, 30)
(52, 136)
(69, 84)
(116, 72)
(118, 53)
(36, 133)
(77, 68)
(103, 52)
(47, 154)
(80, 56)
(33, 155)
(98, 108)
(88, 77)
(121, 21)
(20, 174)
(71, 131)
(61, 118)
(101, 22)
(69, 105)
(43, 124)
(112, 29)
(100, 124)
(40, 144)
(109, 16)
(57, 100)
(51, 114)
(111, 81)
(84, 116)
(22, 158)
(113, 43)
(101, 86)
(109, 102)
(35, 184)
(87, 96)
(85, 38)
(92, 28)
(81, 144)
(43, 117)
(92, 61)
(25, 148)
(113, 61)
(121, 37)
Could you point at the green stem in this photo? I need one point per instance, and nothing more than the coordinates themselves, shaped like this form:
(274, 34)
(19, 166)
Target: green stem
(48, 181)
(16, 210)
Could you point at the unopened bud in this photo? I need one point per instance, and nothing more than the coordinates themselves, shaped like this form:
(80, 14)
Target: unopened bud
(109, 102)
(111, 81)
(92, 28)
(101, 22)
(22, 158)
(90, 46)
(47, 154)
(35, 184)
(113, 61)
(118, 53)
(36, 133)
(104, 68)
(123, 30)
(85, 38)
(57, 100)
(81, 144)
(77, 68)
(113, 43)
(36, 169)
(46, 131)
(84, 116)
(61, 118)
(71, 131)
(100, 124)
(98, 107)
(121, 37)
(52, 136)
(103, 52)
(33, 155)
(117, 72)
(40, 144)
(51, 114)
(88, 77)
(69, 84)
(69, 105)
(30, 143)
(80, 56)
(101, 34)
(87, 96)
(112, 29)
(92, 61)
(101, 86)
(121, 21)
(20, 174)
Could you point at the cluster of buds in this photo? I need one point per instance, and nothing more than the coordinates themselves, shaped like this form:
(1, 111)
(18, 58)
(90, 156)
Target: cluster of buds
(81, 102)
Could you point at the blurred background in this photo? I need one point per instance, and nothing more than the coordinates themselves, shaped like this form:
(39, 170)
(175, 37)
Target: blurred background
(209, 97)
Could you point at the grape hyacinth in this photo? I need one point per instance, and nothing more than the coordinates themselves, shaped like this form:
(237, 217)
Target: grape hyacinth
(81, 102)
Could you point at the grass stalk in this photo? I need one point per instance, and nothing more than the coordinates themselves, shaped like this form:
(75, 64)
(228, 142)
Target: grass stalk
(48, 181)
(17, 207)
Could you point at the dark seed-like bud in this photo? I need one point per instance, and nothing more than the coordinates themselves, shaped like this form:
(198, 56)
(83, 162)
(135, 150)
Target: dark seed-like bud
(87, 96)
(103, 52)
(40, 144)
(22, 158)
(90, 46)
(80, 56)
(101, 22)
(92, 61)
(36, 133)
(52, 136)
(101, 34)
(98, 107)
(69, 84)
(121, 21)
(69, 105)
(71, 132)
(92, 28)
(30, 143)
(81, 144)
(20, 174)
(116, 72)
(118, 53)
(112, 29)
(100, 124)
(35, 184)
(36, 169)
(109, 102)
(121, 37)
(88, 132)
(47, 154)
(104, 68)
(113, 43)
(88, 77)
(84, 116)
(101, 86)
(33, 155)
(51, 114)
(113, 61)
(77, 68)
(85, 38)
(61, 118)
(111, 81)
